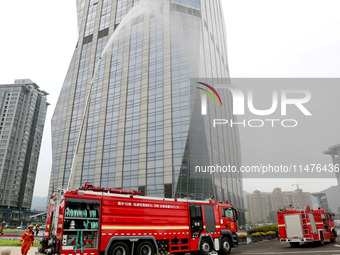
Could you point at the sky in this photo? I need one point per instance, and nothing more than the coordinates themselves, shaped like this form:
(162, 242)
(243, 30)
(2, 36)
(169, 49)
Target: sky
(265, 38)
(283, 39)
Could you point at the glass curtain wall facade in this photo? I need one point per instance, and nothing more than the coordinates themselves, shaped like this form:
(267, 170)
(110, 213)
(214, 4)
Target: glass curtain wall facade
(141, 130)
(23, 109)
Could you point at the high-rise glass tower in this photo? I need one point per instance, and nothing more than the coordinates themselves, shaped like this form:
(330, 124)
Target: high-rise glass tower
(141, 131)
(23, 109)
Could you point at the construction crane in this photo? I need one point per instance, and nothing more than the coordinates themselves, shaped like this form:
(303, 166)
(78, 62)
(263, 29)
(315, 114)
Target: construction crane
(297, 184)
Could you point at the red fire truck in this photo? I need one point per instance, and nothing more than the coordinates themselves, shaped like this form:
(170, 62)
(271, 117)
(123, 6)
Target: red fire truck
(95, 220)
(296, 226)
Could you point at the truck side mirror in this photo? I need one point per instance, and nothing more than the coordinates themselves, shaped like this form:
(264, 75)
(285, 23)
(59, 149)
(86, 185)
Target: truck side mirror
(235, 214)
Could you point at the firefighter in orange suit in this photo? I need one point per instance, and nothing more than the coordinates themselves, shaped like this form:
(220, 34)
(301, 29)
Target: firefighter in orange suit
(2, 226)
(28, 239)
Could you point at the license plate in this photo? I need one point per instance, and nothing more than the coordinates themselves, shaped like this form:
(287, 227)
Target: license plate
(295, 240)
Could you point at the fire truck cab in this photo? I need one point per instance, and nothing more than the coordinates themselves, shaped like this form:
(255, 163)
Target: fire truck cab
(296, 226)
(94, 220)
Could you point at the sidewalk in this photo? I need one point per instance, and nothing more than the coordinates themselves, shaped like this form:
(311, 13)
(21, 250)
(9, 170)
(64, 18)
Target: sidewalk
(16, 250)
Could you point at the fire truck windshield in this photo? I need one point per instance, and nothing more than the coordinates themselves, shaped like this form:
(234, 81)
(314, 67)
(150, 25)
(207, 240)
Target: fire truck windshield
(227, 213)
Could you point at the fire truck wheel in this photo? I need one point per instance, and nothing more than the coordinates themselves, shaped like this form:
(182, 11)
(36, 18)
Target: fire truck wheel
(322, 240)
(225, 246)
(119, 248)
(294, 244)
(333, 238)
(205, 247)
(145, 248)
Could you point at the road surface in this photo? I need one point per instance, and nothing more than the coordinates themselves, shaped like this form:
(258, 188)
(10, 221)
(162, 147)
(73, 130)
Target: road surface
(274, 247)
(16, 250)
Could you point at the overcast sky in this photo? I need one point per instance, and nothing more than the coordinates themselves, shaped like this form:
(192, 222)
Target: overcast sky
(266, 38)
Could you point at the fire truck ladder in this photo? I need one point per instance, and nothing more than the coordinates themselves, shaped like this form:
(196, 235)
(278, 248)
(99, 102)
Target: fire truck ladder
(304, 223)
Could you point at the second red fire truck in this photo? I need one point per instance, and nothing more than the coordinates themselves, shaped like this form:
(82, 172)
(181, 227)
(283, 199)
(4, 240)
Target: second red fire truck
(297, 226)
(95, 220)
